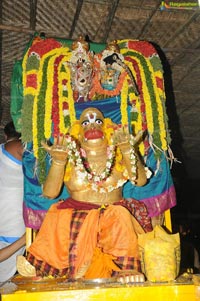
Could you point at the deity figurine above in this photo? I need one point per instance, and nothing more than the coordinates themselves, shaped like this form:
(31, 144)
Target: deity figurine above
(81, 67)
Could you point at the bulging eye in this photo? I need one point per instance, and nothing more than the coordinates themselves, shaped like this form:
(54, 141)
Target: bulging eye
(99, 121)
(85, 123)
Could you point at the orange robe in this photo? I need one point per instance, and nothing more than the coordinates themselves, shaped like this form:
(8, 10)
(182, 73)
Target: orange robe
(113, 231)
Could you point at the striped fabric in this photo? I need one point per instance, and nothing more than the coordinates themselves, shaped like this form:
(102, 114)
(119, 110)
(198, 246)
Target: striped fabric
(136, 208)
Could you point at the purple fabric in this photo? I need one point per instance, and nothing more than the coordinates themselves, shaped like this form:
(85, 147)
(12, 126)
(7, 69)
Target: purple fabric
(156, 205)
(33, 218)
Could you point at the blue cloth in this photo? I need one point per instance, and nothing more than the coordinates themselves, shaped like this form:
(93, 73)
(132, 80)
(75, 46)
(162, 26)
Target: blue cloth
(158, 184)
(9, 239)
(33, 197)
(110, 107)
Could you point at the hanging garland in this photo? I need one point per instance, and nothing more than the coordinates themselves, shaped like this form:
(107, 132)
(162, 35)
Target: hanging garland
(49, 86)
(150, 95)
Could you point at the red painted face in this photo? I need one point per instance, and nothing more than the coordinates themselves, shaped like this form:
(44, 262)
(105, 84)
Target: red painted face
(92, 123)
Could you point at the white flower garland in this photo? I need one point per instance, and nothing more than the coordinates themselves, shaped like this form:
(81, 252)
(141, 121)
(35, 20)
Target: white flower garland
(86, 174)
(133, 158)
(80, 160)
(133, 161)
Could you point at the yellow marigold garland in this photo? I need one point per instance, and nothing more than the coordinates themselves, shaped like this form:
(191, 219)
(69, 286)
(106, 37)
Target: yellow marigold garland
(61, 77)
(26, 92)
(124, 97)
(47, 97)
(137, 125)
(70, 98)
(147, 101)
(159, 95)
(164, 129)
(34, 129)
(29, 91)
(24, 73)
(124, 100)
(161, 119)
(48, 100)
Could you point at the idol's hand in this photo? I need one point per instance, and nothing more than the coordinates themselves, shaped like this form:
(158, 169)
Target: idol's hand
(58, 150)
(124, 139)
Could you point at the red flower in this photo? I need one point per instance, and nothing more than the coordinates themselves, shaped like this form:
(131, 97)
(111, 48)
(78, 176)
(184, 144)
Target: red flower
(143, 47)
(64, 82)
(44, 46)
(31, 81)
(65, 106)
(159, 83)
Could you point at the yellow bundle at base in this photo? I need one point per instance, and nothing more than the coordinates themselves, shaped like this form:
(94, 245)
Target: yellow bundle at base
(160, 255)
